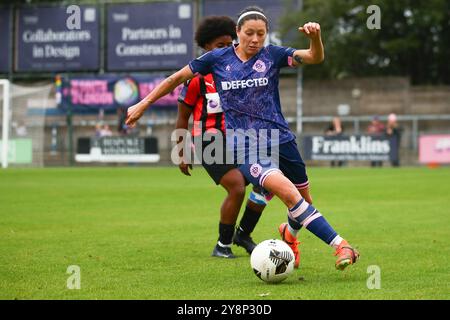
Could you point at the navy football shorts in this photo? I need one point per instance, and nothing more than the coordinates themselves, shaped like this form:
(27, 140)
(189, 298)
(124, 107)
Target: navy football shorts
(290, 164)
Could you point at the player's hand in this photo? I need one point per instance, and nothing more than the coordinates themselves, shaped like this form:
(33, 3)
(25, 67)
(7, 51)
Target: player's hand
(311, 30)
(185, 168)
(133, 114)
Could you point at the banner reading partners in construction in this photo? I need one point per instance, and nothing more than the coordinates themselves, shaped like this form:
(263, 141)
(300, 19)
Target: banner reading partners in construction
(149, 36)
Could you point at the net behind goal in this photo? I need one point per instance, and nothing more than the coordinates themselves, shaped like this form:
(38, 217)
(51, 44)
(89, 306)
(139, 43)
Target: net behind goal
(22, 128)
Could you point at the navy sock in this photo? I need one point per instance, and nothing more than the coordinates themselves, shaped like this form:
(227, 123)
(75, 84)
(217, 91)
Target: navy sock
(306, 215)
(322, 229)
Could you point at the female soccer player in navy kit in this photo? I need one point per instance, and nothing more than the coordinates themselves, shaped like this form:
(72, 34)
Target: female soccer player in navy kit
(246, 76)
(199, 98)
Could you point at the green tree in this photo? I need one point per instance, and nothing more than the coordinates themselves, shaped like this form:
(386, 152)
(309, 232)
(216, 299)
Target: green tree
(414, 39)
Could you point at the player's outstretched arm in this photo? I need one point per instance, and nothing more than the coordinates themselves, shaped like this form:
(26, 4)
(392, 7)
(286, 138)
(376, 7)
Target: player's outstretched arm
(315, 53)
(165, 87)
(184, 113)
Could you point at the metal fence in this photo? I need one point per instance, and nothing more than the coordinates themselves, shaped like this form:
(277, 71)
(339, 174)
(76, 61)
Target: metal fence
(411, 122)
(161, 125)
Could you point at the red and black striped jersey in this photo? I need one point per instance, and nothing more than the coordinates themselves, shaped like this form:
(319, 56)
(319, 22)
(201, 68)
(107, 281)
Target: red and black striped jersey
(201, 96)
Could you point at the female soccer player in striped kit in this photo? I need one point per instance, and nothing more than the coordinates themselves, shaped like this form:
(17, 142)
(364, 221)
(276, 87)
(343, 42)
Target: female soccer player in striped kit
(247, 78)
(199, 98)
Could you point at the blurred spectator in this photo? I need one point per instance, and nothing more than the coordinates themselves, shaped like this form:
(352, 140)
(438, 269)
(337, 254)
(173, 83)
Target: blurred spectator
(105, 131)
(335, 129)
(134, 132)
(21, 129)
(149, 129)
(98, 130)
(122, 116)
(376, 127)
(393, 131)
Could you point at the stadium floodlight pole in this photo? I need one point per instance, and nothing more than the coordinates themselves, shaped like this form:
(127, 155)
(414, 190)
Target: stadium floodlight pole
(5, 128)
(299, 100)
(299, 85)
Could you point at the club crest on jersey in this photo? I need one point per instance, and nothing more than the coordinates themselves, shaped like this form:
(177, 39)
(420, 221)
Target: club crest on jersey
(213, 103)
(259, 66)
(228, 68)
(255, 170)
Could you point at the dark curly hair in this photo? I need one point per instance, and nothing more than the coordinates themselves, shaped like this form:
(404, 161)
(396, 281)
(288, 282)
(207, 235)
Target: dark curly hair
(213, 27)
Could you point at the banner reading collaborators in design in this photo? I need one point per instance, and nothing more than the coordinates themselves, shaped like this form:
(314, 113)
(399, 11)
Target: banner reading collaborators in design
(349, 148)
(83, 93)
(5, 39)
(152, 36)
(57, 39)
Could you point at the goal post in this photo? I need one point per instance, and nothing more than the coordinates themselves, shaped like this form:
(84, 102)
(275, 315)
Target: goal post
(6, 101)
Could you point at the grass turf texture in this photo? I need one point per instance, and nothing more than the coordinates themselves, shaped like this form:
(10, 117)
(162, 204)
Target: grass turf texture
(148, 233)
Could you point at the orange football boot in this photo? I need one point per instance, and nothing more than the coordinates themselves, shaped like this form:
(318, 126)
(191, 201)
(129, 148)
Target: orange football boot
(291, 241)
(346, 255)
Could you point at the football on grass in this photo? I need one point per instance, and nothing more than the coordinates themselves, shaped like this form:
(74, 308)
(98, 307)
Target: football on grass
(272, 260)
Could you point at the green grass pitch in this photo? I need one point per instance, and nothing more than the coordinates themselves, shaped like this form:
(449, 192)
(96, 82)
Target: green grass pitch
(148, 233)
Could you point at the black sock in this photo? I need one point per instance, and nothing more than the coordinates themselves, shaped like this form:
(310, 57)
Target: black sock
(249, 220)
(226, 232)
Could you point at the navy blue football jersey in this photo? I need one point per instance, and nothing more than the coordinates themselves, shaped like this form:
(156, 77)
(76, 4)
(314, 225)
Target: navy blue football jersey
(249, 90)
